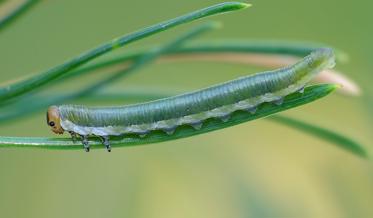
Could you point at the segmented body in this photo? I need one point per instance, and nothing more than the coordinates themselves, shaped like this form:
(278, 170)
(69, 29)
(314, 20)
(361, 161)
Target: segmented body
(193, 108)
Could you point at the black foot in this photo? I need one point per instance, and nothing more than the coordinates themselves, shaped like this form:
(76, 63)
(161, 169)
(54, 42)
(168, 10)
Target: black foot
(105, 141)
(73, 136)
(85, 143)
(301, 90)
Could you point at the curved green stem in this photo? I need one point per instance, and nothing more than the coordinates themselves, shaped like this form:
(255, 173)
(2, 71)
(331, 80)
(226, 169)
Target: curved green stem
(142, 95)
(16, 13)
(145, 59)
(18, 109)
(31, 104)
(212, 47)
(322, 133)
(294, 100)
(25, 86)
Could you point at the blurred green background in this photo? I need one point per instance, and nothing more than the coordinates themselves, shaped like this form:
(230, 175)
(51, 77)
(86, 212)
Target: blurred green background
(258, 169)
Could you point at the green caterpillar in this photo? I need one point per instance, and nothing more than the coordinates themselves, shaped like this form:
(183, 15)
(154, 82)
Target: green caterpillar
(193, 108)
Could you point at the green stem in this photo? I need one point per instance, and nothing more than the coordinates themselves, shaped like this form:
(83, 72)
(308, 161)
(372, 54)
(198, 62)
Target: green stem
(322, 133)
(145, 59)
(31, 103)
(299, 49)
(142, 94)
(294, 100)
(25, 86)
(16, 13)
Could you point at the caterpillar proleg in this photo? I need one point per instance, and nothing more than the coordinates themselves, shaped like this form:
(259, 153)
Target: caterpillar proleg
(193, 108)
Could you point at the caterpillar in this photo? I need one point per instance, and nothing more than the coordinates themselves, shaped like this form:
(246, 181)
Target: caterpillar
(217, 101)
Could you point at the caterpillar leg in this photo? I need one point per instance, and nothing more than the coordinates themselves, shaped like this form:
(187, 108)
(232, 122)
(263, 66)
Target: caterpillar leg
(279, 101)
(73, 136)
(105, 141)
(85, 142)
(301, 90)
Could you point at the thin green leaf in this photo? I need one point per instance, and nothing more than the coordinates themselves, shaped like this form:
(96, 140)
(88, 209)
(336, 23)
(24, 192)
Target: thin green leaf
(281, 47)
(24, 107)
(310, 94)
(13, 15)
(298, 49)
(146, 59)
(25, 86)
(32, 104)
(325, 134)
(142, 94)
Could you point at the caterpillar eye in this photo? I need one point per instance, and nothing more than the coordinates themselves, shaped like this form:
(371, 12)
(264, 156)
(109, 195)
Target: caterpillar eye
(51, 123)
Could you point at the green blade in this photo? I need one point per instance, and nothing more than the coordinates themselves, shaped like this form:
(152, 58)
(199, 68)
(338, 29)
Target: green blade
(298, 49)
(16, 13)
(25, 86)
(32, 103)
(322, 133)
(310, 94)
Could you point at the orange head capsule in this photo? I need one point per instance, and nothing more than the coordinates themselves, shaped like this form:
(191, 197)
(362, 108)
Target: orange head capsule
(53, 120)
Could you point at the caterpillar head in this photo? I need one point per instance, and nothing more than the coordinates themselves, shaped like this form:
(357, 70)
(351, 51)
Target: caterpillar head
(53, 120)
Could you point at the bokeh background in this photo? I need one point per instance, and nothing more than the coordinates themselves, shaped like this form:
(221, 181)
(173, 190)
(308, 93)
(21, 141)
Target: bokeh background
(258, 169)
